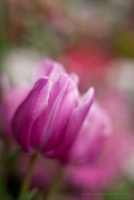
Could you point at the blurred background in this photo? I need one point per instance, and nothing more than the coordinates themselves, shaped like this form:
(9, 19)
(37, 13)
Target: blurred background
(95, 39)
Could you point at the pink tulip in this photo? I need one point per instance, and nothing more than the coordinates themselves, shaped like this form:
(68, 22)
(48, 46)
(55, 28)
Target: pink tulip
(53, 118)
(44, 114)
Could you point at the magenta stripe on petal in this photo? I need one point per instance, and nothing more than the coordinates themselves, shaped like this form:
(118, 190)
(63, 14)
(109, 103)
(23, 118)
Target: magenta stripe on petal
(29, 110)
(75, 122)
(51, 124)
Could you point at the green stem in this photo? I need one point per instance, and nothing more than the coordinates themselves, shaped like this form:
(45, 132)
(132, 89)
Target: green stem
(54, 186)
(27, 178)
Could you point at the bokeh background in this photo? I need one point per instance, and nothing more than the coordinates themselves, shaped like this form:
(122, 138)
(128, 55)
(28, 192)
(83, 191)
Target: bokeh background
(95, 39)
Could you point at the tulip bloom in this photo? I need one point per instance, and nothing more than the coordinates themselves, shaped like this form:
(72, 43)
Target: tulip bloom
(52, 115)
(41, 120)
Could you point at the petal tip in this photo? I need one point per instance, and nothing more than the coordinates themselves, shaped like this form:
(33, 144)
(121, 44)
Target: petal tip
(91, 95)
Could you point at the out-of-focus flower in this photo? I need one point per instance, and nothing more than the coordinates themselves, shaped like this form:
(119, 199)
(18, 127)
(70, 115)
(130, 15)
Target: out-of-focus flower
(113, 161)
(11, 99)
(118, 105)
(53, 114)
(91, 66)
(107, 168)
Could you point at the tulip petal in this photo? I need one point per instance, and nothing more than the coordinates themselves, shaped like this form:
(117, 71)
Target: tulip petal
(92, 134)
(74, 77)
(51, 124)
(49, 68)
(74, 125)
(29, 110)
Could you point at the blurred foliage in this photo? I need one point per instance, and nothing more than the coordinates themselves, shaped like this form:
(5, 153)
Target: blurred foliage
(122, 191)
(29, 195)
(3, 42)
(51, 27)
(124, 43)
